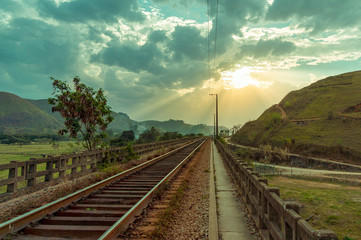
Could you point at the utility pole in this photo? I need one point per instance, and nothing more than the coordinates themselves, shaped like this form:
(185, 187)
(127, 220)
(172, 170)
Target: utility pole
(215, 94)
(214, 125)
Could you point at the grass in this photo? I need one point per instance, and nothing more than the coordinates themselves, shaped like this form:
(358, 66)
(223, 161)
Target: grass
(25, 152)
(333, 206)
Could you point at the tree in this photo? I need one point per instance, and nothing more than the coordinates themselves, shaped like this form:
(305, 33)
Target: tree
(151, 135)
(125, 137)
(84, 110)
(170, 136)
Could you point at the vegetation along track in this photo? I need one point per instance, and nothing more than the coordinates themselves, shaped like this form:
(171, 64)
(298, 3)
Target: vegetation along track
(103, 210)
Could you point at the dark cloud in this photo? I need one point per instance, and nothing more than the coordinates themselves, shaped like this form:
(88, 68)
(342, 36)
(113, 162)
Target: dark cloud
(265, 48)
(317, 15)
(133, 57)
(32, 48)
(177, 3)
(85, 10)
(160, 1)
(124, 87)
(10, 5)
(188, 43)
(161, 61)
(233, 15)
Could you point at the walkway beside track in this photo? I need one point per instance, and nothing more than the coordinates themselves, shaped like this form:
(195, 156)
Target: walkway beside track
(232, 223)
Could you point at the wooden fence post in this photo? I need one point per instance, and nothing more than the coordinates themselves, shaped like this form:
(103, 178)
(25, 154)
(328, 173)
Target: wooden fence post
(49, 168)
(31, 172)
(13, 173)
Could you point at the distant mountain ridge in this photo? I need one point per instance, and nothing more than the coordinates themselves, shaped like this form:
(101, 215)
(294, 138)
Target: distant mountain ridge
(28, 116)
(180, 125)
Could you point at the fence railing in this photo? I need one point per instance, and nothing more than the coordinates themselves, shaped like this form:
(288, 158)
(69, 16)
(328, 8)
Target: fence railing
(275, 218)
(28, 176)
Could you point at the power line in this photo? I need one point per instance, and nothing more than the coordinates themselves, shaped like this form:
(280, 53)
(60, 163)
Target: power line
(215, 37)
(209, 54)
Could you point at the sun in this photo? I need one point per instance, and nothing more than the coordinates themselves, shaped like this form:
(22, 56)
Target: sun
(241, 78)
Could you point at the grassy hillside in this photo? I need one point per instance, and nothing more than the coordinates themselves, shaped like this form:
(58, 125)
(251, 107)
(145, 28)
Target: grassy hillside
(43, 105)
(333, 94)
(17, 115)
(323, 119)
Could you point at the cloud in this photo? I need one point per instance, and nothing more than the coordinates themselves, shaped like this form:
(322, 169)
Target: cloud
(318, 15)
(131, 56)
(274, 47)
(188, 43)
(32, 48)
(92, 10)
(232, 16)
(166, 57)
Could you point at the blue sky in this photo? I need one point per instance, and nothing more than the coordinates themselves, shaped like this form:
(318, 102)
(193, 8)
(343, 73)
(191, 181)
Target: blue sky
(151, 56)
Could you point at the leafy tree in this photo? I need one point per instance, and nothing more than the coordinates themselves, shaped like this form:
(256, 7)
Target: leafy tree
(170, 135)
(151, 135)
(125, 137)
(84, 110)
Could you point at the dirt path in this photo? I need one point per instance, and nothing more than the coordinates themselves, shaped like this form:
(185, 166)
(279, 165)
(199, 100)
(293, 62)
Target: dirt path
(284, 116)
(283, 112)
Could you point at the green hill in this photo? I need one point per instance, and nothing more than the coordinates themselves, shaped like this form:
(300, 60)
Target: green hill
(18, 116)
(323, 119)
(43, 105)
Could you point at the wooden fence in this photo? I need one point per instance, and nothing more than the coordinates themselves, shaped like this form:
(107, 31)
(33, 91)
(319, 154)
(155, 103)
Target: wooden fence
(275, 218)
(29, 176)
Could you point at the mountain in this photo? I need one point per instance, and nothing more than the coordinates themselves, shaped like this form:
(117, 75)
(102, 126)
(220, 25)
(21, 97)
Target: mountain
(178, 126)
(43, 105)
(27, 116)
(325, 116)
(122, 122)
(18, 116)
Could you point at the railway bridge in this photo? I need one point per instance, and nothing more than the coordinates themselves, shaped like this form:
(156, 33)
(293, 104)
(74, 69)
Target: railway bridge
(132, 203)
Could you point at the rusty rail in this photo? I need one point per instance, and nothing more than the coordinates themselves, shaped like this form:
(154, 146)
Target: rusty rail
(123, 223)
(275, 218)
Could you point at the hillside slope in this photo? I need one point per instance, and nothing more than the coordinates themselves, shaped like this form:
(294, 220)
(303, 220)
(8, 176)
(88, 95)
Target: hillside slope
(17, 116)
(43, 105)
(323, 119)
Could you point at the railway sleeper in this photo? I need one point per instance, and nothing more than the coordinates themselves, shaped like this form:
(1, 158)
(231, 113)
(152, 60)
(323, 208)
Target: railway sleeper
(66, 231)
(102, 206)
(89, 221)
(91, 213)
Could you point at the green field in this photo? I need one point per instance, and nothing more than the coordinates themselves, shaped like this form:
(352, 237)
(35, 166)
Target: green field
(25, 152)
(333, 206)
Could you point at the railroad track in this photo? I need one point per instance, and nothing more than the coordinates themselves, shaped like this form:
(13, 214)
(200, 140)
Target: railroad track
(102, 210)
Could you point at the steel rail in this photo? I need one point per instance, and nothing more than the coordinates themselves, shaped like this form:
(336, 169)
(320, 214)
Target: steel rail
(16, 224)
(122, 224)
